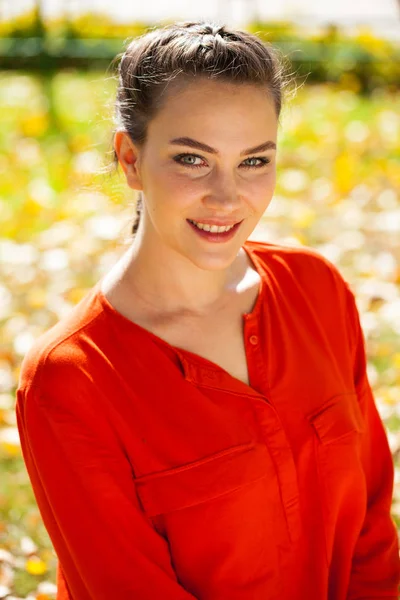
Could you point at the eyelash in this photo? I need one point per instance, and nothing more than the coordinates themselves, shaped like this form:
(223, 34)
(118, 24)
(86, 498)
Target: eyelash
(264, 161)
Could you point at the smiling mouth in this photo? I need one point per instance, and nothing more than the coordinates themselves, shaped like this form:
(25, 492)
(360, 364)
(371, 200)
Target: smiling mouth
(214, 233)
(213, 227)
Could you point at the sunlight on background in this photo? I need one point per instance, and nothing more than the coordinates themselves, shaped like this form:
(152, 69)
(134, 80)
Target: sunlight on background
(382, 16)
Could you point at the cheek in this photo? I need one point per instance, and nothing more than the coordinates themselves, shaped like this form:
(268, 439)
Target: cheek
(166, 183)
(177, 193)
(170, 176)
(260, 189)
(191, 186)
(270, 178)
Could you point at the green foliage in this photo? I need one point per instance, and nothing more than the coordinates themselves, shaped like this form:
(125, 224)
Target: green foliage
(362, 62)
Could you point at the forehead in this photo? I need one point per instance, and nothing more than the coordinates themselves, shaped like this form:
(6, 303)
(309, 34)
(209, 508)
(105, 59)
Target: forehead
(199, 88)
(209, 104)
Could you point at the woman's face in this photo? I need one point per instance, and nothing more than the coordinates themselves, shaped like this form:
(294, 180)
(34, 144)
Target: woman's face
(223, 183)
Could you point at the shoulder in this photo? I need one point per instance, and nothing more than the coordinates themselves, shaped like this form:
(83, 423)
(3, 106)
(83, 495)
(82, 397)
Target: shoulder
(299, 265)
(61, 352)
(301, 277)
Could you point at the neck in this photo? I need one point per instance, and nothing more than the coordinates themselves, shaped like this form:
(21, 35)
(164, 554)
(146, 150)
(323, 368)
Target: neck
(169, 283)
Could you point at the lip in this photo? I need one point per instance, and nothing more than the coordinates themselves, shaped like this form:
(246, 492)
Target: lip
(216, 237)
(215, 222)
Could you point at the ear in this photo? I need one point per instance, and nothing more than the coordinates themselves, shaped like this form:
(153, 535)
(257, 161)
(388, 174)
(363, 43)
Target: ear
(128, 155)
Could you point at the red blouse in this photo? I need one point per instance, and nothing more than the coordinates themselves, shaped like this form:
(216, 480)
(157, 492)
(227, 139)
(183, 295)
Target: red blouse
(160, 476)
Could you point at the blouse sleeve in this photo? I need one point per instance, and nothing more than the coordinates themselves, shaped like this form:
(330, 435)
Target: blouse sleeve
(375, 570)
(85, 491)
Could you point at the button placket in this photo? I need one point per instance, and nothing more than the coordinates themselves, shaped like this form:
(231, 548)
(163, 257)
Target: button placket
(256, 363)
(280, 450)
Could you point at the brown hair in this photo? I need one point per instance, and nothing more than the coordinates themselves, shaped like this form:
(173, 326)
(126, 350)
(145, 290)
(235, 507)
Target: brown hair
(153, 60)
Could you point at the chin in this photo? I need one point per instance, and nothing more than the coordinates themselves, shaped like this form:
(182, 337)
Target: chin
(213, 260)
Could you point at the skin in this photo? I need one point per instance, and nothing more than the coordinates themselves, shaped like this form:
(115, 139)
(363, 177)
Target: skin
(168, 268)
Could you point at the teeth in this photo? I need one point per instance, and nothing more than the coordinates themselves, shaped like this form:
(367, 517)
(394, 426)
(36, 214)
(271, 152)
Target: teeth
(212, 228)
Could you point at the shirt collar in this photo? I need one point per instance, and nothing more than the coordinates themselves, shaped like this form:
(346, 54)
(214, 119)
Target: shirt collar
(203, 373)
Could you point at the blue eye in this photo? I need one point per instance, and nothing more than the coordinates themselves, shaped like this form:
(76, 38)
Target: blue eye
(262, 161)
(187, 164)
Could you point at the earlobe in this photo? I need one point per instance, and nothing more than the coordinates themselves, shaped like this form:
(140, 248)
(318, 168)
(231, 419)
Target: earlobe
(128, 158)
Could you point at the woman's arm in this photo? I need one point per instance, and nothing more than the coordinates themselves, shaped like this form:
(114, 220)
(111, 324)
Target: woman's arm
(84, 487)
(376, 565)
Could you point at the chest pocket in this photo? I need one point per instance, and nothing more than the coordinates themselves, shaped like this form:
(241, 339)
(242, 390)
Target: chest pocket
(339, 426)
(203, 480)
(224, 521)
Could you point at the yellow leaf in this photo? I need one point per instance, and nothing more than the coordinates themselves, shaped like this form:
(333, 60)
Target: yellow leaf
(31, 207)
(9, 441)
(35, 125)
(79, 142)
(35, 566)
(350, 81)
(344, 172)
(75, 294)
(36, 297)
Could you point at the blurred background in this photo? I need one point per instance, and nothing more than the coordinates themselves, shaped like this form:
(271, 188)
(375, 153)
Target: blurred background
(64, 222)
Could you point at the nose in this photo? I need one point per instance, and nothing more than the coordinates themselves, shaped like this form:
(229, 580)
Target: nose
(223, 193)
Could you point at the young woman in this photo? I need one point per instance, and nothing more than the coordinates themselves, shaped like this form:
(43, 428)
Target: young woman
(201, 424)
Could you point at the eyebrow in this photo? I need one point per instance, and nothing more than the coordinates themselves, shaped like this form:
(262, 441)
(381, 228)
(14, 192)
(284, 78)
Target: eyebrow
(187, 141)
